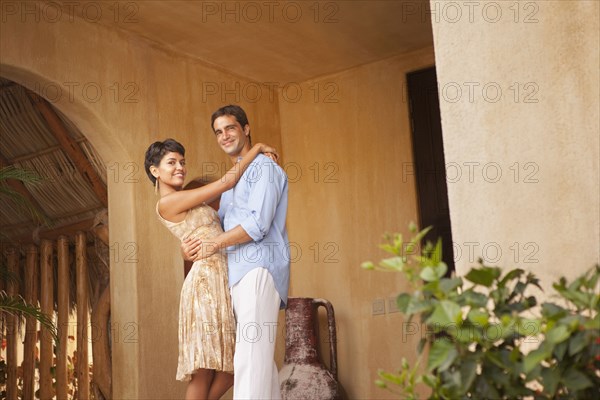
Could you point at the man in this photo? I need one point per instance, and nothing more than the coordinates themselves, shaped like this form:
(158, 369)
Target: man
(253, 216)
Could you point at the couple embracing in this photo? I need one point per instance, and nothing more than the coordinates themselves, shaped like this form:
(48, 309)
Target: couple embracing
(240, 272)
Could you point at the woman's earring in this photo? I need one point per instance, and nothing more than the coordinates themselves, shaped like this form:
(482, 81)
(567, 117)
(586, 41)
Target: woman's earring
(156, 187)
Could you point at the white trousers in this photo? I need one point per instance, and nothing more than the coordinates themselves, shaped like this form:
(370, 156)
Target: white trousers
(256, 307)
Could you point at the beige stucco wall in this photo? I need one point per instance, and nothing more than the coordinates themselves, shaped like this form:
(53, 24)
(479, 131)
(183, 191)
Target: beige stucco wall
(544, 59)
(167, 100)
(346, 142)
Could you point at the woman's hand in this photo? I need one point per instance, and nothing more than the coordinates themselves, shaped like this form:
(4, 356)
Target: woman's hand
(268, 151)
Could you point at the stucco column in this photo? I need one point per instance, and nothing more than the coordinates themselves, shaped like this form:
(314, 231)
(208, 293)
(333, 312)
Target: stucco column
(519, 104)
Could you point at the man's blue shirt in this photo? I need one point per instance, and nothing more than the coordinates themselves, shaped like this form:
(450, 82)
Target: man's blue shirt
(259, 204)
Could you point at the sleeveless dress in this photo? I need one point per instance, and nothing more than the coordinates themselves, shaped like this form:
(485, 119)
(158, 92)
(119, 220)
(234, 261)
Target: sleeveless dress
(206, 321)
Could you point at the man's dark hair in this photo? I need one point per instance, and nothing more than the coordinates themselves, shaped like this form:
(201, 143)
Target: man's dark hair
(234, 111)
(157, 150)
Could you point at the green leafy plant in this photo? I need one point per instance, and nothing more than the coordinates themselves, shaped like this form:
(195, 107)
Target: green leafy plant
(16, 305)
(7, 193)
(481, 327)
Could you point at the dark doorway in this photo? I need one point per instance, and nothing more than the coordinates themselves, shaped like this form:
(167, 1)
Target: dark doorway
(429, 166)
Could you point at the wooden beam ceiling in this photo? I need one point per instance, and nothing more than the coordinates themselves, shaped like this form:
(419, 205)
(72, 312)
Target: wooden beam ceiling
(70, 147)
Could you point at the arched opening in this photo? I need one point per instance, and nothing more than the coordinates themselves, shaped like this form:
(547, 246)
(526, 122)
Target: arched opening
(55, 242)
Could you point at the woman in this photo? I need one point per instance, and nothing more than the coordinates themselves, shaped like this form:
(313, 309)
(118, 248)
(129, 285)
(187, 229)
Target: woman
(206, 321)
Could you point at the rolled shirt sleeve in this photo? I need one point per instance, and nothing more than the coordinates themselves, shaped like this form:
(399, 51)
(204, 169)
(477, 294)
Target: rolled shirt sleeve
(266, 186)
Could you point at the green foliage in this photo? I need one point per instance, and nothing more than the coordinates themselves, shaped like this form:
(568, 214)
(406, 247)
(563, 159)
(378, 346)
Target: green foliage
(22, 203)
(16, 305)
(479, 327)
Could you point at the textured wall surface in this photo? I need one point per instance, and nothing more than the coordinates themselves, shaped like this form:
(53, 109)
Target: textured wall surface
(525, 125)
(346, 150)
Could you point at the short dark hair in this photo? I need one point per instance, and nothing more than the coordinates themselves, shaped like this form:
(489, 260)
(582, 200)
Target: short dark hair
(156, 151)
(233, 110)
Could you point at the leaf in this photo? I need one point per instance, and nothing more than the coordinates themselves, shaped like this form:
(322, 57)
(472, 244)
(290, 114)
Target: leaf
(465, 334)
(393, 378)
(388, 248)
(530, 302)
(484, 390)
(367, 265)
(7, 276)
(535, 357)
(503, 331)
(528, 327)
(550, 379)
(434, 273)
(404, 363)
(436, 255)
(440, 269)
(519, 288)
(417, 238)
(412, 227)
(515, 355)
(18, 306)
(557, 334)
(20, 174)
(22, 203)
(432, 287)
(499, 296)
(418, 306)
(421, 345)
(402, 301)
(553, 311)
(593, 280)
(484, 276)
(468, 372)
(515, 273)
(451, 384)
(571, 321)
(448, 285)
(445, 313)
(575, 286)
(428, 274)
(531, 279)
(593, 323)
(494, 358)
(397, 240)
(473, 299)
(441, 355)
(430, 381)
(381, 384)
(478, 317)
(575, 380)
(577, 343)
(392, 263)
(560, 350)
(580, 299)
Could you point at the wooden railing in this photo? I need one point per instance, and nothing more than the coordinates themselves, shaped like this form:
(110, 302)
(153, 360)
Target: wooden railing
(39, 266)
